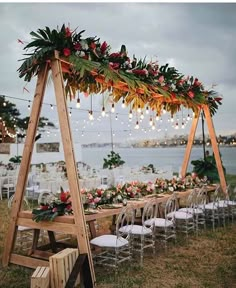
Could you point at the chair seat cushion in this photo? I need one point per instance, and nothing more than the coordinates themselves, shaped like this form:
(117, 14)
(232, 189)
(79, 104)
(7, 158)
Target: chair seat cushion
(211, 206)
(180, 215)
(7, 186)
(159, 222)
(109, 241)
(192, 210)
(231, 203)
(135, 229)
(222, 204)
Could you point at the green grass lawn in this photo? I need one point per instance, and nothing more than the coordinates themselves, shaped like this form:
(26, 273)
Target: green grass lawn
(208, 260)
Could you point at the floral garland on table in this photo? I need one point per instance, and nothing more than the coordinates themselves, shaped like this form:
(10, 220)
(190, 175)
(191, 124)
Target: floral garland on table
(96, 198)
(94, 69)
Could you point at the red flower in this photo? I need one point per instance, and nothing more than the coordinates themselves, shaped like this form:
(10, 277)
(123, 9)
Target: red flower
(44, 207)
(92, 45)
(140, 71)
(66, 52)
(103, 47)
(68, 32)
(77, 46)
(191, 94)
(180, 82)
(64, 196)
(69, 207)
(99, 192)
(114, 65)
(115, 55)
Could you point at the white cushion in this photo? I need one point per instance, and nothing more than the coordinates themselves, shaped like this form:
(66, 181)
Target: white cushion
(8, 186)
(231, 203)
(222, 204)
(159, 222)
(109, 241)
(211, 206)
(135, 229)
(183, 215)
(192, 210)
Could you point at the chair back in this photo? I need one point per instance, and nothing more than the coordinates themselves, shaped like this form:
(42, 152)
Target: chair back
(149, 212)
(170, 207)
(126, 220)
(25, 203)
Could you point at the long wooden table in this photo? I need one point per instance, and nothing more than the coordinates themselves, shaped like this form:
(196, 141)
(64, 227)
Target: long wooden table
(66, 224)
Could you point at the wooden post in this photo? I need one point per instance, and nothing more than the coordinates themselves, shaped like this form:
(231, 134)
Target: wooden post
(25, 163)
(215, 147)
(72, 174)
(189, 144)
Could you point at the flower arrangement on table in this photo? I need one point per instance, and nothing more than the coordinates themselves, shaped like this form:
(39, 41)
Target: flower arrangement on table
(91, 60)
(57, 207)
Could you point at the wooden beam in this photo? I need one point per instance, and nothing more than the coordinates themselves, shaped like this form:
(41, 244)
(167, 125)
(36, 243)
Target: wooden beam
(25, 163)
(72, 174)
(189, 144)
(215, 147)
(27, 261)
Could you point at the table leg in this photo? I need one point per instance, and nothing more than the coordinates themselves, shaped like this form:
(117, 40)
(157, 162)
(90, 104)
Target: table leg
(35, 241)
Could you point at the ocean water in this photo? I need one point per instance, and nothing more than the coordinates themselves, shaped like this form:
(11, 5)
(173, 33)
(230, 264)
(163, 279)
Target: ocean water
(159, 157)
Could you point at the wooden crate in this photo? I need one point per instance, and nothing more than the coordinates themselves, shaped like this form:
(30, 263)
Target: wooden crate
(40, 278)
(61, 265)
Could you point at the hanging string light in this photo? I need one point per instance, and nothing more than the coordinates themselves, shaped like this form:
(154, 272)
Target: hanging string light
(51, 106)
(142, 116)
(70, 113)
(147, 110)
(29, 105)
(157, 117)
(130, 114)
(139, 108)
(136, 125)
(103, 112)
(150, 121)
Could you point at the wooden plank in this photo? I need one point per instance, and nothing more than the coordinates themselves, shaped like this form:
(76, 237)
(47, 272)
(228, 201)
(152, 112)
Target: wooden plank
(27, 261)
(215, 147)
(47, 225)
(40, 278)
(61, 219)
(189, 145)
(72, 175)
(25, 163)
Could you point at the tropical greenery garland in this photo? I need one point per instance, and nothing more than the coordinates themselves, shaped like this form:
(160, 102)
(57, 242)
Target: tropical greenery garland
(91, 68)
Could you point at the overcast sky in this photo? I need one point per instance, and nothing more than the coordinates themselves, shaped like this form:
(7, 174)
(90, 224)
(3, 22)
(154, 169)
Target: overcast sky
(198, 39)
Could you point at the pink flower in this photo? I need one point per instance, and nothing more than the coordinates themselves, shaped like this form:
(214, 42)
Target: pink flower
(197, 83)
(54, 209)
(161, 79)
(97, 200)
(180, 82)
(191, 94)
(77, 46)
(66, 52)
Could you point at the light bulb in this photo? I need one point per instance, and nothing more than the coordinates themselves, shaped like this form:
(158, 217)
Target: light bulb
(4, 104)
(123, 103)
(157, 117)
(153, 127)
(139, 109)
(137, 125)
(176, 125)
(78, 103)
(112, 108)
(171, 119)
(130, 114)
(182, 125)
(147, 110)
(91, 115)
(164, 111)
(103, 112)
(142, 116)
(150, 121)
(188, 117)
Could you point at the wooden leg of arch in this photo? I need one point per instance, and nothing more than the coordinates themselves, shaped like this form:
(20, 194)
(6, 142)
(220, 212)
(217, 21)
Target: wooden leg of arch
(215, 148)
(25, 163)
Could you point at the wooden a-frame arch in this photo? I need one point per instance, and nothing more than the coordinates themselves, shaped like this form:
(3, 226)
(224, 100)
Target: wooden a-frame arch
(214, 144)
(76, 227)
